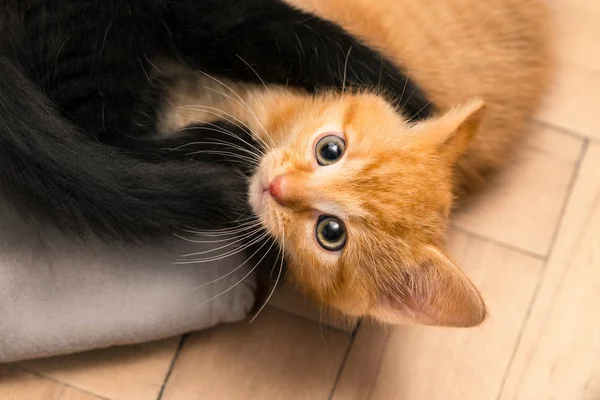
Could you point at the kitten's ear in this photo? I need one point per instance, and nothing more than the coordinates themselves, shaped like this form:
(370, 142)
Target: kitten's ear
(435, 292)
(451, 133)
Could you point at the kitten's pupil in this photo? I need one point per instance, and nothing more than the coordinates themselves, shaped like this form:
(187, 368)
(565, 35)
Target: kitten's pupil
(331, 233)
(330, 149)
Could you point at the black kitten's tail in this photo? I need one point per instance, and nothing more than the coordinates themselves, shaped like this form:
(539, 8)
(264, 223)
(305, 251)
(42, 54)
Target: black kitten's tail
(49, 170)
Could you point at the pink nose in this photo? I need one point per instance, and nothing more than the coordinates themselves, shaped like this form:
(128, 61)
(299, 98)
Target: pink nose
(276, 189)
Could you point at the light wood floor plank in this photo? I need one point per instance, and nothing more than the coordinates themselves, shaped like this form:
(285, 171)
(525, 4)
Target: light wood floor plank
(278, 356)
(523, 205)
(16, 384)
(573, 103)
(362, 366)
(118, 373)
(559, 354)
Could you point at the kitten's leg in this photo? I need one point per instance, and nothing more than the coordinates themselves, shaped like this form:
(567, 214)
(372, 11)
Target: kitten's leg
(284, 45)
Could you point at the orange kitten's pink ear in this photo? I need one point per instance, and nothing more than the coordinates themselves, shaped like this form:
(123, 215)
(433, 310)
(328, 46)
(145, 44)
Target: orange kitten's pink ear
(436, 292)
(451, 133)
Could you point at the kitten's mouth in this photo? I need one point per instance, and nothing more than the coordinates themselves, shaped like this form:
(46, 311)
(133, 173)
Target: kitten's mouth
(264, 192)
(259, 194)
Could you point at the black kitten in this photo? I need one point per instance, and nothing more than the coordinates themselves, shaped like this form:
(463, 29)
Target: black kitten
(78, 103)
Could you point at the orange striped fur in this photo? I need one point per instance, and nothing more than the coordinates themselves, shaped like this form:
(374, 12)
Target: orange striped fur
(395, 185)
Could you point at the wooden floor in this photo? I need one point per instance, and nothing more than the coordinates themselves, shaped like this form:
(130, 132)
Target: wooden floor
(532, 244)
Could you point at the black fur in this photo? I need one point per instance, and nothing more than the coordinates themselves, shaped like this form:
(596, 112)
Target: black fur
(77, 182)
(208, 142)
(77, 91)
(287, 46)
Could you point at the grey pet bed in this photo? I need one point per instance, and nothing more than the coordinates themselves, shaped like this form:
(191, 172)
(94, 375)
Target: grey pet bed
(59, 297)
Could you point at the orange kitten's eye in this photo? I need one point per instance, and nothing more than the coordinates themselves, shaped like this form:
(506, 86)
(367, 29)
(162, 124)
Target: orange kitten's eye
(331, 233)
(329, 149)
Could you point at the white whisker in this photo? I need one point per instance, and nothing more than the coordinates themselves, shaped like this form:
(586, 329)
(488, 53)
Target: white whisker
(220, 143)
(237, 147)
(241, 280)
(233, 270)
(418, 112)
(216, 112)
(233, 241)
(238, 219)
(222, 256)
(251, 162)
(239, 97)
(346, 70)
(224, 232)
(404, 89)
(247, 223)
(266, 88)
(213, 111)
(230, 238)
(264, 143)
(278, 276)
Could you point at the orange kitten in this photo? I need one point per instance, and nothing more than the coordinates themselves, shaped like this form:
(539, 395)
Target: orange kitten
(358, 195)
